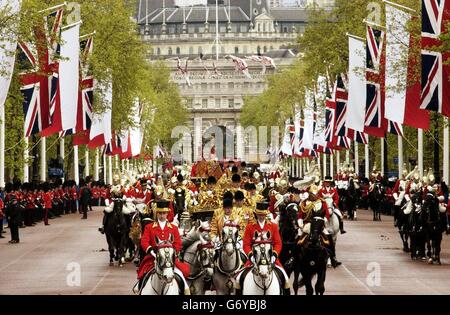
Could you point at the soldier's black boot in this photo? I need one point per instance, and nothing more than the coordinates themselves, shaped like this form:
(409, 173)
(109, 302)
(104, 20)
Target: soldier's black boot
(334, 262)
(341, 225)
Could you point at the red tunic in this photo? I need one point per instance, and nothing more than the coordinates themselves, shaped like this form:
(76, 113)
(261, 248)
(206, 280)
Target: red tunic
(249, 240)
(148, 240)
(326, 192)
(47, 198)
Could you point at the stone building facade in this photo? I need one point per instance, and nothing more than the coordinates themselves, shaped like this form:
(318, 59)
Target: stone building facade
(187, 30)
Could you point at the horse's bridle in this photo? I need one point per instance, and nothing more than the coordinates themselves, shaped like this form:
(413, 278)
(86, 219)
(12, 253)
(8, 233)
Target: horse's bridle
(229, 240)
(159, 266)
(263, 260)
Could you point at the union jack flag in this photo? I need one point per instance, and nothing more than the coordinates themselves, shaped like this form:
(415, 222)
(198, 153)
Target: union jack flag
(341, 99)
(395, 128)
(240, 65)
(375, 123)
(40, 80)
(435, 67)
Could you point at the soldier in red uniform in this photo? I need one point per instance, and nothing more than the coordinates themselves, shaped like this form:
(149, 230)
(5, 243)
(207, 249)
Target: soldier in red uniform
(164, 231)
(47, 203)
(261, 226)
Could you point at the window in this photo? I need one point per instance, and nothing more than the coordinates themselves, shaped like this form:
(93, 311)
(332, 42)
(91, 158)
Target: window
(218, 102)
(170, 51)
(231, 103)
(245, 49)
(178, 51)
(265, 49)
(158, 51)
(191, 50)
(204, 103)
(258, 50)
(236, 51)
(200, 50)
(204, 86)
(217, 86)
(264, 27)
(271, 48)
(285, 29)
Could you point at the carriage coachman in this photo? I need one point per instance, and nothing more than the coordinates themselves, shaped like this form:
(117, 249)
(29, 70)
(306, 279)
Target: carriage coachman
(161, 231)
(263, 231)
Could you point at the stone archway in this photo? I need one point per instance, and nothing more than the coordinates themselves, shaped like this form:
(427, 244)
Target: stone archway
(218, 143)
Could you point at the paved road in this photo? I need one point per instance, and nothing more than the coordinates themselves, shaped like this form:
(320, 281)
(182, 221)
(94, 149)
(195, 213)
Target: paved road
(38, 265)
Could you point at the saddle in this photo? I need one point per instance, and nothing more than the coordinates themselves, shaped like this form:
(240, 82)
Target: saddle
(304, 240)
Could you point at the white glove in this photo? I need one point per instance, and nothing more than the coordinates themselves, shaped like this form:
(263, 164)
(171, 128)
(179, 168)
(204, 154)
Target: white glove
(273, 259)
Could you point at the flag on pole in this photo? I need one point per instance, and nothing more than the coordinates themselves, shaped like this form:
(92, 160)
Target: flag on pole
(286, 147)
(375, 123)
(8, 45)
(63, 109)
(264, 61)
(40, 79)
(100, 132)
(240, 65)
(435, 64)
(355, 112)
(402, 100)
(184, 71)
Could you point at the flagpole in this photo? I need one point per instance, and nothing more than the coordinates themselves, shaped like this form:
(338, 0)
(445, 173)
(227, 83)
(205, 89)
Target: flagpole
(400, 156)
(338, 161)
(54, 8)
(76, 162)
(86, 168)
(399, 6)
(367, 163)
(332, 165)
(378, 26)
(62, 153)
(347, 156)
(88, 35)
(110, 171)
(2, 147)
(356, 158)
(420, 151)
(96, 165)
(104, 168)
(446, 151)
(217, 30)
(382, 155)
(325, 173)
(43, 159)
(26, 173)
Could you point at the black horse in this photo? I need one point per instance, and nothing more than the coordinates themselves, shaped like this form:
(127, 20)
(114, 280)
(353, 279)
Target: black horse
(417, 228)
(116, 231)
(288, 231)
(311, 258)
(376, 200)
(401, 220)
(435, 226)
(179, 202)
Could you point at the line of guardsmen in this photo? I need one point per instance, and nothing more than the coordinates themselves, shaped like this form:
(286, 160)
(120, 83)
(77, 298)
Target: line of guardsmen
(25, 205)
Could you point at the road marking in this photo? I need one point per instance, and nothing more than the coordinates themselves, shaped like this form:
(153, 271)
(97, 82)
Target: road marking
(427, 286)
(358, 280)
(99, 282)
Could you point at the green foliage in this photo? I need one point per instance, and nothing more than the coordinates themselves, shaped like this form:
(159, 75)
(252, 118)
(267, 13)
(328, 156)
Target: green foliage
(119, 54)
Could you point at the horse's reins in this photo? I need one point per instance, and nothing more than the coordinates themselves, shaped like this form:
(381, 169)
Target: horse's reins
(256, 272)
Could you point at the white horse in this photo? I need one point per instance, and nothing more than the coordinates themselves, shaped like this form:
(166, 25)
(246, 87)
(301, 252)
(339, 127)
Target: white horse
(262, 279)
(199, 254)
(332, 225)
(162, 279)
(228, 261)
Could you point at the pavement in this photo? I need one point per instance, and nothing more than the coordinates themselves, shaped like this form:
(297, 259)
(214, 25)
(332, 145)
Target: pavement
(70, 257)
